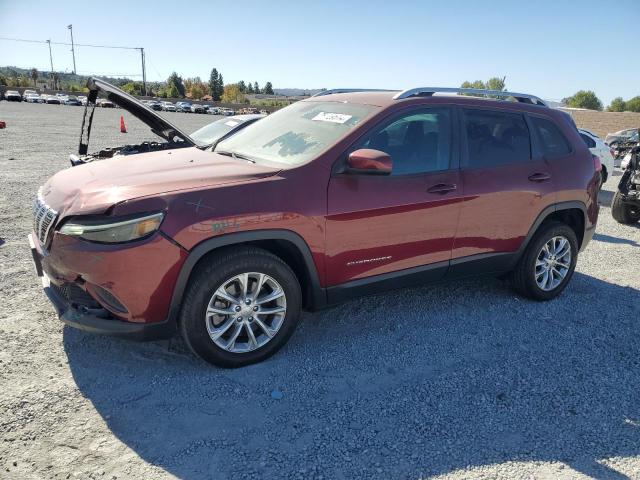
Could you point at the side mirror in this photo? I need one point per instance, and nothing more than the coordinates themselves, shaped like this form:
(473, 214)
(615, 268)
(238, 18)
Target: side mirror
(369, 161)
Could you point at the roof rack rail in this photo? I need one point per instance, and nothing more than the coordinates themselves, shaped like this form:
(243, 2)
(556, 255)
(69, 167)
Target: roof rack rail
(350, 90)
(429, 91)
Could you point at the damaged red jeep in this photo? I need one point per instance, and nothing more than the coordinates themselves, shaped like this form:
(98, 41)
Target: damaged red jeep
(350, 192)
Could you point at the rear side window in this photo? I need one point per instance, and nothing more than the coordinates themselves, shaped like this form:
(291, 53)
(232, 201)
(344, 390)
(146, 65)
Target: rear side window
(588, 141)
(496, 138)
(554, 143)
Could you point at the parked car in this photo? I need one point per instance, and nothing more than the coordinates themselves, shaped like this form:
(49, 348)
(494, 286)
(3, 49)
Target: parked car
(63, 97)
(338, 195)
(12, 96)
(27, 93)
(197, 108)
(183, 107)
(625, 135)
(154, 105)
(264, 112)
(227, 111)
(83, 99)
(73, 100)
(104, 103)
(33, 98)
(597, 146)
(213, 110)
(168, 107)
(53, 100)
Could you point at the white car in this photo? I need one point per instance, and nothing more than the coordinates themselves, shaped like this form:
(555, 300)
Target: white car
(33, 98)
(168, 107)
(601, 150)
(28, 93)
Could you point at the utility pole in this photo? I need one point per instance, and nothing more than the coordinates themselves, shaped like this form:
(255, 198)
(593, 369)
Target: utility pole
(51, 60)
(73, 53)
(144, 74)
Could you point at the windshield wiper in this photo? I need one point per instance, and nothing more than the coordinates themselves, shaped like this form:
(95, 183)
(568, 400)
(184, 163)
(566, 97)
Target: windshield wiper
(235, 155)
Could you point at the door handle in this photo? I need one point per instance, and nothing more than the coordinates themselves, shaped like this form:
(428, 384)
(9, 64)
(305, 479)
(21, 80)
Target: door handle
(539, 177)
(442, 188)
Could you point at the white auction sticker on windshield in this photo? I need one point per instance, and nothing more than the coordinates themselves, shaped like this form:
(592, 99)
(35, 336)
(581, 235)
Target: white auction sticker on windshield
(231, 123)
(332, 117)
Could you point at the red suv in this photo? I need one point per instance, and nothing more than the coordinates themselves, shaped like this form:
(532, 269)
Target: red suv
(346, 193)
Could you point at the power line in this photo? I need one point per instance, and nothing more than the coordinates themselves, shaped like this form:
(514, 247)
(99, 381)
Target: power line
(68, 44)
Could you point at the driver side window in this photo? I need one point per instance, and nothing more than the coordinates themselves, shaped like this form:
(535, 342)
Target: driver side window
(418, 142)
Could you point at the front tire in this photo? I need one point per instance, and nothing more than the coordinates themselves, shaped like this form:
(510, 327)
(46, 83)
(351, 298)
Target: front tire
(548, 263)
(241, 307)
(622, 212)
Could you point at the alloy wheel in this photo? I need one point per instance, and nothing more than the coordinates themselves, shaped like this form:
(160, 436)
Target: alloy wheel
(246, 312)
(553, 263)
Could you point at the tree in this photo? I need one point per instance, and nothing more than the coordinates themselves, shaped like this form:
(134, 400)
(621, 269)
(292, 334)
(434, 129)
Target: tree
(632, 105)
(242, 86)
(256, 88)
(219, 89)
(55, 77)
(250, 88)
(132, 88)
(477, 84)
(213, 82)
(197, 90)
(496, 83)
(584, 99)
(175, 80)
(3, 80)
(268, 89)
(617, 105)
(34, 76)
(232, 94)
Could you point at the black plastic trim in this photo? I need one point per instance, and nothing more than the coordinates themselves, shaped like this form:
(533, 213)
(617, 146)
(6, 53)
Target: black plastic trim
(318, 295)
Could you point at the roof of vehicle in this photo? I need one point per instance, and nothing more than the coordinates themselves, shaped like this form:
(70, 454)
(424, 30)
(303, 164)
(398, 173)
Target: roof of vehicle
(245, 116)
(386, 98)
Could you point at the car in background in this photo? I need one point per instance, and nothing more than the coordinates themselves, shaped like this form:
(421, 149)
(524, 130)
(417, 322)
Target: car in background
(168, 107)
(53, 100)
(104, 103)
(210, 135)
(32, 98)
(184, 107)
(197, 108)
(601, 150)
(154, 105)
(227, 112)
(73, 100)
(83, 99)
(264, 112)
(626, 135)
(62, 97)
(12, 96)
(27, 93)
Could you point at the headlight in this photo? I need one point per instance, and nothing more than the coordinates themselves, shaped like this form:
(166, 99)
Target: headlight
(112, 230)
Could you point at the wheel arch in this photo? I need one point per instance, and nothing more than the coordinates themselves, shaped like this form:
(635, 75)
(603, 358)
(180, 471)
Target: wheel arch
(287, 245)
(572, 213)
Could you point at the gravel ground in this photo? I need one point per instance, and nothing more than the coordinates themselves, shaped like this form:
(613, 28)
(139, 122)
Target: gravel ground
(457, 380)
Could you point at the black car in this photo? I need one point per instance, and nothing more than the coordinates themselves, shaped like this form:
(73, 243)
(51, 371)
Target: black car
(73, 101)
(153, 105)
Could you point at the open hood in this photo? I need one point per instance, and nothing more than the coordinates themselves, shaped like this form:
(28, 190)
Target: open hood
(158, 124)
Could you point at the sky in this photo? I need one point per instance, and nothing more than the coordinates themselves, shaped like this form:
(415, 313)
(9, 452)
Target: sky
(548, 48)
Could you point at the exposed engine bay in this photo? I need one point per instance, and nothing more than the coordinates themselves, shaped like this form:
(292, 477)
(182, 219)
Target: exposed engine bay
(111, 152)
(625, 206)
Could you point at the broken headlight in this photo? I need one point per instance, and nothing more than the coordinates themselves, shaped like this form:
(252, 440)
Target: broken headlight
(113, 230)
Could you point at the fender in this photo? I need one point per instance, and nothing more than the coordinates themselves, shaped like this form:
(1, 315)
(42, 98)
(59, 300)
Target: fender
(556, 207)
(317, 293)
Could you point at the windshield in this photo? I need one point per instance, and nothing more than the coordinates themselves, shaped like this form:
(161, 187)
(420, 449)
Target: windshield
(297, 133)
(210, 134)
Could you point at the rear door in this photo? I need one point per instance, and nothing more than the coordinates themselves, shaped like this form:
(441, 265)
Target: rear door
(382, 224)
(506, 182)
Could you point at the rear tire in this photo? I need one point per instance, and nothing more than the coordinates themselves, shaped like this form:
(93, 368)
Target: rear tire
(559, 262)
(624, 212)
(221, 318)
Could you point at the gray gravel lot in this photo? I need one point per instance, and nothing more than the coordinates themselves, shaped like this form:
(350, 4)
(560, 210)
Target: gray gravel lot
(457, 380)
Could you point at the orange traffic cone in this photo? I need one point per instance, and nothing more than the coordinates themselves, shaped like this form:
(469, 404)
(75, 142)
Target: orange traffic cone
(123, 129)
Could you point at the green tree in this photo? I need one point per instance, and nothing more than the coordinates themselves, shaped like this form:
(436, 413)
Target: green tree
(256, 88)
(232, 94)
(477, 84)
(176, 81)
(242, 86)
(34, 76)
(617, 105)
(632, 105)
(132, 88)
(55, 77)
(250, 88)
(584, 99)
(268, 88)
(213, 82)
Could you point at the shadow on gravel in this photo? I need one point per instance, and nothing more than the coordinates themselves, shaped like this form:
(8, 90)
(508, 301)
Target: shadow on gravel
(600, 237)
(406, 384)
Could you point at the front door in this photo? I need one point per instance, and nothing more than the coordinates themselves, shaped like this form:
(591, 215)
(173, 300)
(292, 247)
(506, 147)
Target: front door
(382, 224)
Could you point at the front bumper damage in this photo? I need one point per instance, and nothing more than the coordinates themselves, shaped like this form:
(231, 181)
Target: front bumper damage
(136, 309)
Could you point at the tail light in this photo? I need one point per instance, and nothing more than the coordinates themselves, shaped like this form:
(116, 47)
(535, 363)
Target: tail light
(596, 163)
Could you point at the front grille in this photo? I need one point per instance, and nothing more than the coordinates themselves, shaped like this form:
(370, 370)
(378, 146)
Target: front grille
(43, 218)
